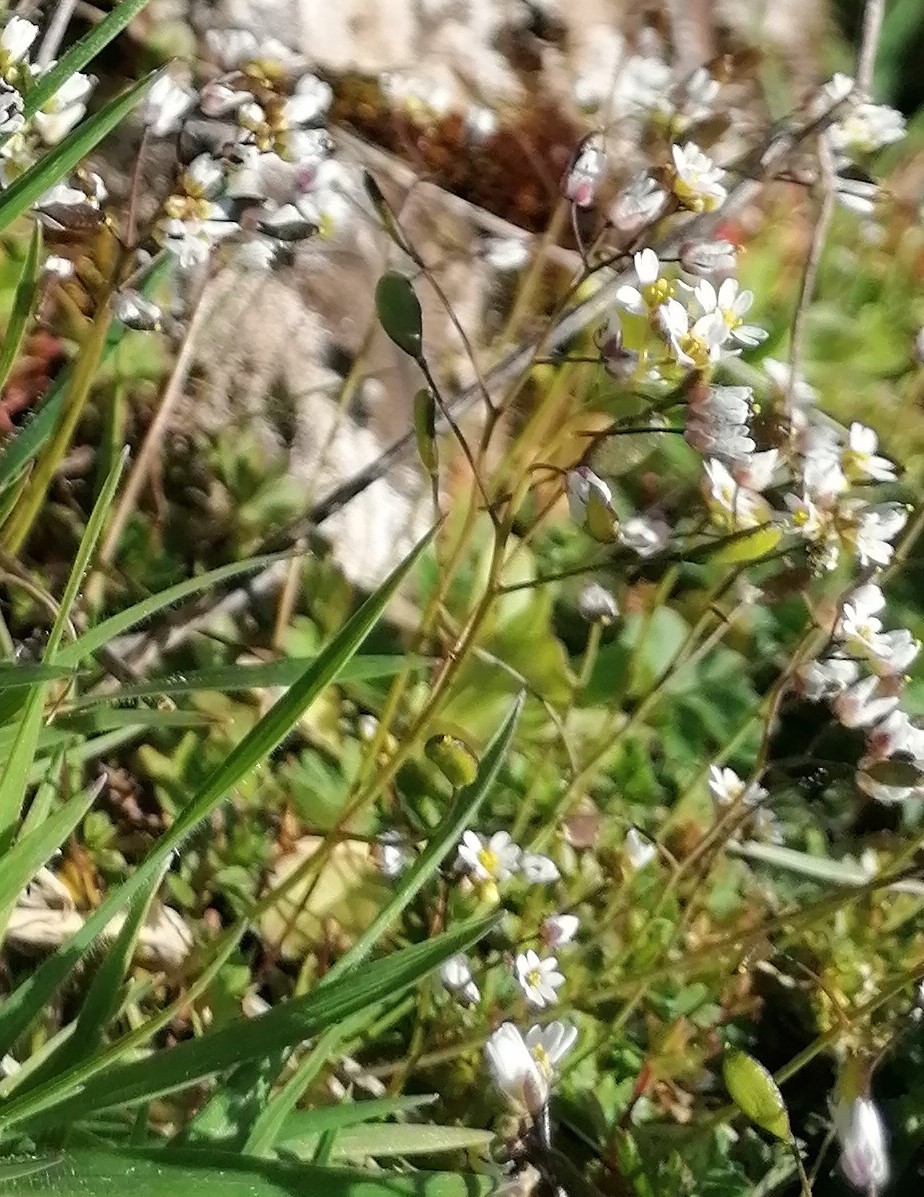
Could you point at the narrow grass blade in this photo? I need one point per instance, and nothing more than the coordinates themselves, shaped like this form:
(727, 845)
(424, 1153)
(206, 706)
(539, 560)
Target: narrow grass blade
(24, 445)
(303, 1123)
(444, 838)
(81, 54)
(196, 1060)
(61, 160)
(396, 1139)
(160, 1173)
(22, 306)
(16, 677)
(15, 776)
(21, 1007)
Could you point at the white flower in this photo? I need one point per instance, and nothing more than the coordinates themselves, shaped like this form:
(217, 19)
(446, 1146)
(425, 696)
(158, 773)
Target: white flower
(822, 476)
(707, 257)
(311, 99)
(11, 117)
(393, 854)
(859, 459)
(538, 869)
(596, 604)
(727, 788)
(871, 530)
(824, 679)
(864, 129)
(896, 733)
(456, 975)
(731, 305)
(638, 206)
(651, 292)
(803, 395)
(203, 177)
(16, 39)
(731, 506)
(507, 253)
(165, 105)
(515, 1070)
(559, 929)
(538, 978)
(697, 344)
(191, 241)
(644, 84)
(239, 48)
(586, 170)
(218, 99)
(58, 266)
(550, 1044)
(756, 472)
(590, 502)
(859, 705)
(864, 1151)
(717, 422)
(494, 859)
(134, 311)
(65, 108)
(697, 180)
(645, 534)
(640, 850)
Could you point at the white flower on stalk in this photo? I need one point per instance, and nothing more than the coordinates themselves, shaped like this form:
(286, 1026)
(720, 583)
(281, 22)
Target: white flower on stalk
(538, 869)
(585, 172)
(862, 703)
(392, 853)
(218, 98)
(192, 241)
(523, 1069)
(652, 290)
(11, 117)
(732, 305)
(16, 41)
(165, 105)
(864, 127)
(717, 422)
(638, 206)
(864, 1149)
(756, 472)
(731, 506)
(695, 344)
(559, 929)
(728, 789)
(644, 84)
(65, 108)
(859, 459)
(896, 733)
(241, 49)
(311, 99)
(697, 180)
(590, 502)
(539, 978)
(456, 976)
(824, 679)
(203, 178)
(707, 257)
(871, 530)
(645, 534)
(639, 849)
(495, 859)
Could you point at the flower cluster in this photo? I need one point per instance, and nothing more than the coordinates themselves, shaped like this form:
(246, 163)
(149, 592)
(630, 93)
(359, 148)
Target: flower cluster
(24, 141)
(261, 174)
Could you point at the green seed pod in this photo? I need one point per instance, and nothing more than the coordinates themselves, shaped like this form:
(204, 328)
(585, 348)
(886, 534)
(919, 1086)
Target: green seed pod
(398, 310)
(756, 1094)
(454, 759)
(425, 430)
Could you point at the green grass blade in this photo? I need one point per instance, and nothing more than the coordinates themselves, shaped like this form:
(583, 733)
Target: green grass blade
(16, 677)
(444, 838)
(15, 776)
(396, 1139)
(22, 306)
(22, 862)
(21, 448)
(303, 1123)
(116, 625)
(61, 160)
(21, 1007)
(81, 54)
(178, 1173)
(292, 1022)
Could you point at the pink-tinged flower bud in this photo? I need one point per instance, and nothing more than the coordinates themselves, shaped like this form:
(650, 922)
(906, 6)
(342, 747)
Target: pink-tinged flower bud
(585, 172)
(864, 1151)
(707, 257)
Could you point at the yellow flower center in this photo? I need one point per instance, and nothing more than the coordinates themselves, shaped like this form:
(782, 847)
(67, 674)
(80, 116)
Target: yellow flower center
(658, 292)
(489, 861)
(534, 977)
(541, 1056)
(695, 348)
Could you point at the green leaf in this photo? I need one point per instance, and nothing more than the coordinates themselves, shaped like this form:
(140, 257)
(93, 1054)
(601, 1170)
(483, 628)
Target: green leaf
(756, 1094)
(396, 1139)
(283, 1026)
(398, 310)
(16, 677)
(178, 1173)
(25, 1003)
(22, 305)
(20, 449)
(81, 54)
(302, 1123)
(61, 160)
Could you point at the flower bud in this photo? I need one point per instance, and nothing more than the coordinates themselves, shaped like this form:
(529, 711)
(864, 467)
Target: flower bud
(134, 311)
(591, 504)
(707, 257)
(597, 605)
(864, 1152)
(585, 172)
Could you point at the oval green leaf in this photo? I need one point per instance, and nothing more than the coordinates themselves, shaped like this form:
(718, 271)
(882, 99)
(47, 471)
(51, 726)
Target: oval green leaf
(398, 310)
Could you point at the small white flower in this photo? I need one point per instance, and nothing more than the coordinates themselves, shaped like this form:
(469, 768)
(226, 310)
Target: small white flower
(550, 1044)
(393, 854)
(645, 534)
(65, 108)
(859, 459)
(825, 679)
(17, 38)
(859, 705)
(522, 1077)
(456, 975)
(134, 311)
(538, 869)
(165, 105)
(731, 506)
(864, 1151)
(697, 180)
(871, 530)
(538, 978)
(590, 502)
(756, 472)
(640, 850)
(596, 604)
(697, 344)
(732, 306)
(727, 788)
(803, 395)
(310, 100)
(218, 99)
(638, 206)
(896, 733)
(651, 292)
(507, 253)
(559, 929)
(191, 241)
(707, 257)
(495, 859)
(864, 129)
(58, 266)
(203, 177)
(11, 117)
